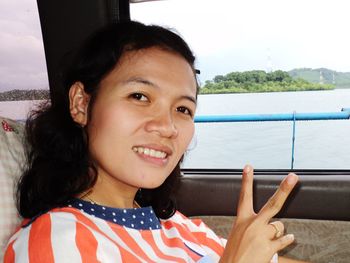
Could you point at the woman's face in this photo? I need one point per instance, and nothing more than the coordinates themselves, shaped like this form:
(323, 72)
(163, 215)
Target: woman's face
(142, 119)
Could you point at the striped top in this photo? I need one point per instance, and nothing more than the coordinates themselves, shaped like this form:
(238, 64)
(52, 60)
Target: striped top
(87, 232)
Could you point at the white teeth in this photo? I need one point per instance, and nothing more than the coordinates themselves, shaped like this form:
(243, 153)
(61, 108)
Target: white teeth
(150, 152)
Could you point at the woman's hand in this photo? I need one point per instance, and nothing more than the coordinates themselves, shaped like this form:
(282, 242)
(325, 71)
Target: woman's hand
(253, 239)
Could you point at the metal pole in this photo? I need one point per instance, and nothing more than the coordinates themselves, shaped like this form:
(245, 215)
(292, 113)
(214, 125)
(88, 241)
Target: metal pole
(293, 140)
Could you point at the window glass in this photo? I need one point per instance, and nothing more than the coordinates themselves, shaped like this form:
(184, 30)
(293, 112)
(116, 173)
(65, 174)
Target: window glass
(23, 75)
(289, 45)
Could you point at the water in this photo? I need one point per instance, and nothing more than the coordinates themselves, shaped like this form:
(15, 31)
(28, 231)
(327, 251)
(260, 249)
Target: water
(17, 110)
(319, 144)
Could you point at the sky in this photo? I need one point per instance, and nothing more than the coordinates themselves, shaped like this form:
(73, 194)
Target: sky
(239, 35)
(22, 59)
(232, 35)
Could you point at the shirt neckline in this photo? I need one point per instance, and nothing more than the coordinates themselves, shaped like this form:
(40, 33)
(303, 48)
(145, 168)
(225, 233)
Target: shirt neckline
(142, 218)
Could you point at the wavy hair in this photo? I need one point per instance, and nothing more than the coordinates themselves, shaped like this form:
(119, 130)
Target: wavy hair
(59, 166)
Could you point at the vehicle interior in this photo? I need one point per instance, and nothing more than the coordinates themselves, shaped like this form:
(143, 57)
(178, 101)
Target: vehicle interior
(317, 212)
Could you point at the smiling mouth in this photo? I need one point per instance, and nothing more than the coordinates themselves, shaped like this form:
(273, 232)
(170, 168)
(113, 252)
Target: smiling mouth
(150, 152)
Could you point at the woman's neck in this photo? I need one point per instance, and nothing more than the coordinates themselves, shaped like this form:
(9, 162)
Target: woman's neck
(111, 193)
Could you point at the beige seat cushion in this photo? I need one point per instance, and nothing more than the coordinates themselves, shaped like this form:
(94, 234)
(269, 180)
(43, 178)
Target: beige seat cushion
(319, 241)
(11, 163)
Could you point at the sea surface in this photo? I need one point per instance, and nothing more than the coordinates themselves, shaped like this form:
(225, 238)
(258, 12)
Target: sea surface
(318, 144)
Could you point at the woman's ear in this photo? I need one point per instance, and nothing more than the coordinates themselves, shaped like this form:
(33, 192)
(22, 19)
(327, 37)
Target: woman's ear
(78, 103)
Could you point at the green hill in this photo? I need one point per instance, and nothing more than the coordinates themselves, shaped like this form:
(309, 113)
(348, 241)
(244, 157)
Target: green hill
(339, 79)
(259, 81)
(15, 95)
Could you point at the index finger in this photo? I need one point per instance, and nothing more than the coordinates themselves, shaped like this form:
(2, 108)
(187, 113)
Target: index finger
(245, 203)
(275, 203)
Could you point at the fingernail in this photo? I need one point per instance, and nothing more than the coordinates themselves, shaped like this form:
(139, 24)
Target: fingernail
(289, 237)
(247, 168)
(291, 179)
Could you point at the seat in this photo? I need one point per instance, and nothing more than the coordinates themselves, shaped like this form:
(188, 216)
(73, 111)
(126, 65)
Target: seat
(11, 165)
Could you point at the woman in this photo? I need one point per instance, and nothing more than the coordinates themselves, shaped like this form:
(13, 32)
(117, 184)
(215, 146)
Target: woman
(104, 158)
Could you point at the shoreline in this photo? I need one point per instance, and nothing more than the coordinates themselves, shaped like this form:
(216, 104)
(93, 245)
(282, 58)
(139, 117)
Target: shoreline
(277, 91)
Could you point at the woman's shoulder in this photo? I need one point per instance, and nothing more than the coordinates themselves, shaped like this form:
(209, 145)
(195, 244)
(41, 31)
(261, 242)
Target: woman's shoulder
(57, 231)
(58, 219)
(47, 219)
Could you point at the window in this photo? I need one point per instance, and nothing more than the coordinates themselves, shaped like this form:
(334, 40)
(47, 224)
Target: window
(305, 39)
(22, 63)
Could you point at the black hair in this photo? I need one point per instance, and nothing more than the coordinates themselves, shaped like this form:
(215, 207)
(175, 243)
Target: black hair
(59, 165)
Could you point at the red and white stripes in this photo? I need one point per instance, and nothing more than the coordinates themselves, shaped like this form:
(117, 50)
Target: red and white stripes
(70, 235)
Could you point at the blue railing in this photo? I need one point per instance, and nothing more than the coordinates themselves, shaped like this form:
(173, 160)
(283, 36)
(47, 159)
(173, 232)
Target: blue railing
(344, 114)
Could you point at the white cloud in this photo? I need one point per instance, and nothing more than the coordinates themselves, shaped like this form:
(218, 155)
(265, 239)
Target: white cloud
(298, 33)
(22, 59)
(226, 35)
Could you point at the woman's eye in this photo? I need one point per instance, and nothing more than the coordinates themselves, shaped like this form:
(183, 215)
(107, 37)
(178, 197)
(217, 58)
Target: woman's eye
(184, 110)
(139, 96)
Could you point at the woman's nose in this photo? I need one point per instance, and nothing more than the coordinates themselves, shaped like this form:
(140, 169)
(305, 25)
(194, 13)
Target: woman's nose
(163, 124)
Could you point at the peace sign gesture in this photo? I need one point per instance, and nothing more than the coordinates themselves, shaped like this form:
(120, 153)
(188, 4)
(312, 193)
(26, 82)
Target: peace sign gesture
(253, 238)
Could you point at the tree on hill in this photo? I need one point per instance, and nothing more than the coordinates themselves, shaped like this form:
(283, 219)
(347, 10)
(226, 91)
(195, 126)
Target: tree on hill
(16, 95)
(258, 81)
(338, 79)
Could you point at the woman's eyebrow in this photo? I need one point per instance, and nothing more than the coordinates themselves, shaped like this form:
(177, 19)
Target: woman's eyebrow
(154, 85)
(142, 81)
(190, 98)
